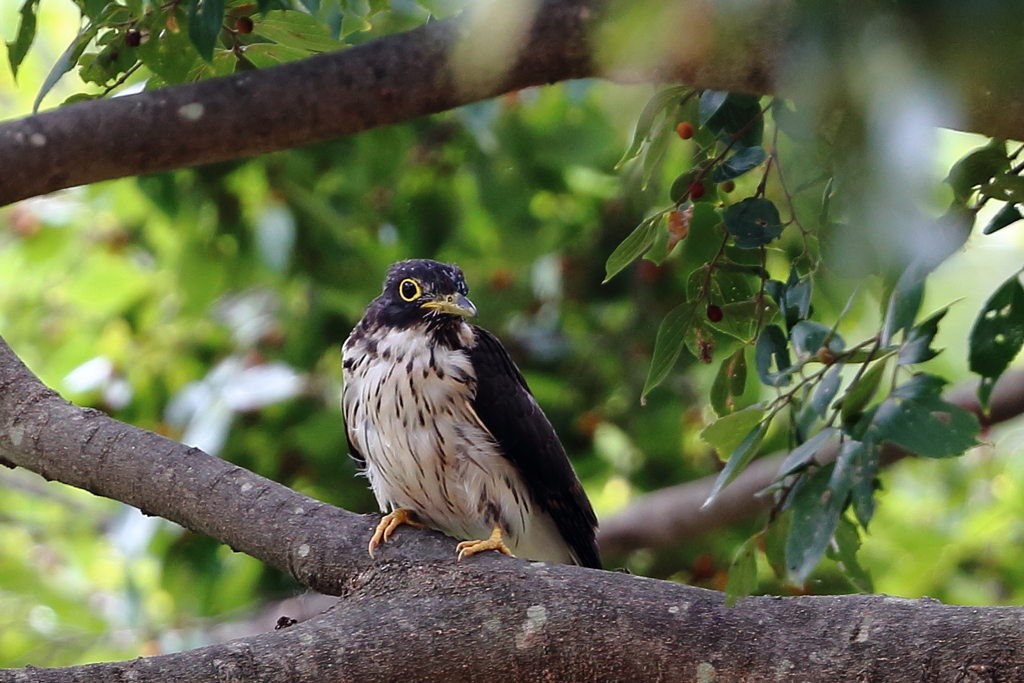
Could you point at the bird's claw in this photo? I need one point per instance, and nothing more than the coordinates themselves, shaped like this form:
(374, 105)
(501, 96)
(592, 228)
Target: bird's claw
(388, 524)
(467, 548)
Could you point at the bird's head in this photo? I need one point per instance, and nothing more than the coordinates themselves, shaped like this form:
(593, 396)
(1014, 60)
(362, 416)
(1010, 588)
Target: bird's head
(421, 290)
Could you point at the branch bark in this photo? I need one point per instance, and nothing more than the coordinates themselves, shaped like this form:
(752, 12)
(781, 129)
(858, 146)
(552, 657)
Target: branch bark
(674, 514)
(741, 47)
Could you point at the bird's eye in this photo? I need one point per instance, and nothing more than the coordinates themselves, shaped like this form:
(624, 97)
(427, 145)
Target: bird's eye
(409, 289)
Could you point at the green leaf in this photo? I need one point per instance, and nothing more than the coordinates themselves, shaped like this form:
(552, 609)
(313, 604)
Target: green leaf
(904, 302)
(114, 60)
(730, 381)
(997, 336)
(739, 459)
(859, 395)
(668, 344)
(772, 345)
(977, 168)
(655, 152)
(65, 63)
(802, 455)
(681, 185)
(844, 552)
(205, 21)
(916, 418)
(297, 30)
(742, 572)
(827, 390)
(662, 100)
(726, 433)
(861, 459)
(18, 48)
(916, 348)
(637, 243)
(775, 543)
(710, 102)
(753, 222)
(741, 162)
(1007, 216)
(807, 337)
(816, 509)
(269, 54)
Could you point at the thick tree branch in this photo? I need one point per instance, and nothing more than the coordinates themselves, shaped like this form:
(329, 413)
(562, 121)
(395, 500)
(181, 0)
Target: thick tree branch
(442, 65)
(673, 514)
(476, 620)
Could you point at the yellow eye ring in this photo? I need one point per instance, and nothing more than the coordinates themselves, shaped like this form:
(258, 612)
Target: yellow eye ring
(409, 289)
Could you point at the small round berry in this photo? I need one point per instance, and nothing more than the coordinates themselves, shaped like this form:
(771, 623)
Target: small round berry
(244, 25)
(132, 38)
(696, 191)
(685, 130)
(728, 186)
(715, 313)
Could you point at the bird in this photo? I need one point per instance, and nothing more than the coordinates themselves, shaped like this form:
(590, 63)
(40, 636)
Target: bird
(442, 423)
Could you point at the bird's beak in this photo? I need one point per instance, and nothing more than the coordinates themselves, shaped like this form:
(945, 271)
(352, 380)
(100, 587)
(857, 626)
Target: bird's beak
(453, 304)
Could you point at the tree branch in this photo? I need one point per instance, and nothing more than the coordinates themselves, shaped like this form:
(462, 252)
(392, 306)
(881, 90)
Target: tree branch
(722, 46)
(674, 514)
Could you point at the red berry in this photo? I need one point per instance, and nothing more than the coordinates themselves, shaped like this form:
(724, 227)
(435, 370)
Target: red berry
(696, 190)
(715, 313)
(244, 25)
(132, 38)
(685, 130)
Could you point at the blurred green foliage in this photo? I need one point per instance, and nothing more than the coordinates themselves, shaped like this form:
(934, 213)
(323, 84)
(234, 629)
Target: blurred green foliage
(210, 305)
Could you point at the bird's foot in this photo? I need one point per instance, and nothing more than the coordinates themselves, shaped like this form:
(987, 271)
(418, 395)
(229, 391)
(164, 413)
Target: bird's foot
(467, 548)
(387, 526)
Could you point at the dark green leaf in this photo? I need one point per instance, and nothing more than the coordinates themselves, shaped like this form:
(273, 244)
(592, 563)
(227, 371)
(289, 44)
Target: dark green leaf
(681, 185)
(637, 243)
(659, 250)
(668, 344)
(710, 102)
(1006, 187)
(905, 301)
(916, 348)
(775, 544)
(797, 299)
(997, 336)
(802, 455)
(827, 390)
(977, 168)
(859, 395)
(739, 117)
(205, 21)
(844, 552)
(64, 63)
(808, 337)
(916, 418)
(861, 457)
(730, 381)
(739, 459)
(816, 509)
(753, 222)
(18, 48)
(1008, 215)
(741, 162)
(772, 345)
(742, 572)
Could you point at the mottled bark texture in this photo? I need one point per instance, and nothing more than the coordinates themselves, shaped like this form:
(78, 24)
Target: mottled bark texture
(416, 611)
(774, 46)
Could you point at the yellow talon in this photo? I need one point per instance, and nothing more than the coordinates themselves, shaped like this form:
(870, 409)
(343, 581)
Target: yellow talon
(467, 548)
(387, 526)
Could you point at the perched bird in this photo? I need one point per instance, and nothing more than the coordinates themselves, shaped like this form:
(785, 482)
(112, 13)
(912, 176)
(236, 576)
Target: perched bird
(442, 423)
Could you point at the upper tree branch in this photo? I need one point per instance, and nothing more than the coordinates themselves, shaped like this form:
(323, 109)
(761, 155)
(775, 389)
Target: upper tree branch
(723, 46)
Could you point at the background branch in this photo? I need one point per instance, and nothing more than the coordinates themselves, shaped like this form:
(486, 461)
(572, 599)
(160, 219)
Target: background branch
(674, 514)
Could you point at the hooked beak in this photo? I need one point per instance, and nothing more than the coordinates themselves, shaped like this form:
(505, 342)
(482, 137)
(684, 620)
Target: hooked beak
(453, 304)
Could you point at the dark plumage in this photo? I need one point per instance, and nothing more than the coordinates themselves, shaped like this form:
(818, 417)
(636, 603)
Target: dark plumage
(447, 431)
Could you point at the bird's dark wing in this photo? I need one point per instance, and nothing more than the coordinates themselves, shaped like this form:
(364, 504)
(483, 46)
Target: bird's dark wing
(509, 411)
